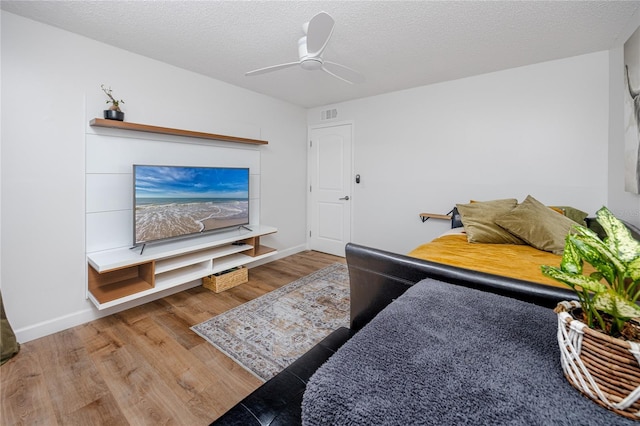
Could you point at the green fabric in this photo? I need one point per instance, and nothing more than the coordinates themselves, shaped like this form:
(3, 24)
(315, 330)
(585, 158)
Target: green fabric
(9, 346)
(574, 214)
(538, 225)
(478, 220)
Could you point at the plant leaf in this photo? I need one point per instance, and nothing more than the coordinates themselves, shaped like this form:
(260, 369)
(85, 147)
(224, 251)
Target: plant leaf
(571, 260)
(615, 305)
(598, 255)
(572, 280)
(619, 240)
(633, 269)
(583, 230)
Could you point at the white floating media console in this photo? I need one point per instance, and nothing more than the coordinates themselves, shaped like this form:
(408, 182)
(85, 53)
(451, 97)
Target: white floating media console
(120, 275)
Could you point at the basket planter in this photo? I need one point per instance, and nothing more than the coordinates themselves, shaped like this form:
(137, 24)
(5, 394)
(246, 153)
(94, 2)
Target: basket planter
(604, 368)
(226, 280)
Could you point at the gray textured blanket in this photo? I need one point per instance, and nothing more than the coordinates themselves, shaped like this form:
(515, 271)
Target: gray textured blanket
(443, 354)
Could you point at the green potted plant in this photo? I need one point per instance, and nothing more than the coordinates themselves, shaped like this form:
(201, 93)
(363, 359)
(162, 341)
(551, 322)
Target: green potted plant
(599, 336)
(113, 113)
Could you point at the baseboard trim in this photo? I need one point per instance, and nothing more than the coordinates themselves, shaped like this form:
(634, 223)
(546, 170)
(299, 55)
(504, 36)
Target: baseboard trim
(55, 325)
(89, 314)
(45, 328)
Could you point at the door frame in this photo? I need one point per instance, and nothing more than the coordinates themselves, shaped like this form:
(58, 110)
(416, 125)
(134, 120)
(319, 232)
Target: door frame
(310, 128)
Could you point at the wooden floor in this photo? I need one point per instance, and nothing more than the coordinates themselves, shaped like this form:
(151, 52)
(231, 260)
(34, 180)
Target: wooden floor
(141, 366)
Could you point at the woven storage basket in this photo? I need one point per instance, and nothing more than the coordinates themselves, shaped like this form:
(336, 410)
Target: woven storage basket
(226, 280)
(605, 369)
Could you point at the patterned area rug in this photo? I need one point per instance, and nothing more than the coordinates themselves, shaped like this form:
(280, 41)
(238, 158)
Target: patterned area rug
(267, 334)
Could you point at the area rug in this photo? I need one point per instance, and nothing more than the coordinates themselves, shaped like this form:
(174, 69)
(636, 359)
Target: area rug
(267, 334)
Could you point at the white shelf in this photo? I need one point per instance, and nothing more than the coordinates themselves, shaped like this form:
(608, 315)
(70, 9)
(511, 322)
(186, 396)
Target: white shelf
(108, 260)
(229, 262)
(182, 275)
(171, 263)
(129, 298)
(122, 275)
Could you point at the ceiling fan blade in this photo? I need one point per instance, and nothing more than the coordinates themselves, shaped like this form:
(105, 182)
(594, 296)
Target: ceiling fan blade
(318, 33)
(342, 72)
(271, 68)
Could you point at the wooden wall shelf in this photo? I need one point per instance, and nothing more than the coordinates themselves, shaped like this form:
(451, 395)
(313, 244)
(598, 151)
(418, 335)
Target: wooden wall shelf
(114, 124)
(425, 216)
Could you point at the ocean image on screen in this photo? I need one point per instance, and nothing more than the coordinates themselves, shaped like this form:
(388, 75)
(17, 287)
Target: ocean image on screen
(173, 201)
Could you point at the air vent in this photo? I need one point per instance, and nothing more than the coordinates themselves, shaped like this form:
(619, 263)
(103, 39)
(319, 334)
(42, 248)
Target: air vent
(329, 114)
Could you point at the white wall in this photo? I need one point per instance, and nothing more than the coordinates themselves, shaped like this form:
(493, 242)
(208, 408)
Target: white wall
(539, 130)
(50, 89)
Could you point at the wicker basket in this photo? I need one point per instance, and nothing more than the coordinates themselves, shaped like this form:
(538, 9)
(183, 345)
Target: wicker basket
(226, 280)
(605, 369)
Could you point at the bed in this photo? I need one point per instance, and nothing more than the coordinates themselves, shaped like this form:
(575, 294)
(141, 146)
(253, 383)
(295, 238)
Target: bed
(506, 238)
(443, 353)
(438, 344)
(510, 260)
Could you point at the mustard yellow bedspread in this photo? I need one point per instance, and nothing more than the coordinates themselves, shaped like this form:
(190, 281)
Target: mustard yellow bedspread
(510, 260)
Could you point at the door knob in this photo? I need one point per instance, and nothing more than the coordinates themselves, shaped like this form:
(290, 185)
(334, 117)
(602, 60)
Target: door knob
(344, 198)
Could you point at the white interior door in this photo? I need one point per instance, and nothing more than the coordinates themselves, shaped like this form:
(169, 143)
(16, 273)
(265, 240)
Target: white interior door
(330, 188)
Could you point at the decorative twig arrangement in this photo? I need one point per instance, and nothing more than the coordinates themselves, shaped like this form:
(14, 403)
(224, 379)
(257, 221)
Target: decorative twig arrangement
(115, 104)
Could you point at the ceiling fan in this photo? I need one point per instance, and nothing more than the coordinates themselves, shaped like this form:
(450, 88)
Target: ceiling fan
(310, 47)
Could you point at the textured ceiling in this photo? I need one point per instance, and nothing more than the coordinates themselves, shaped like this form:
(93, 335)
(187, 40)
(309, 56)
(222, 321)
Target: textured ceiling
(395, 44)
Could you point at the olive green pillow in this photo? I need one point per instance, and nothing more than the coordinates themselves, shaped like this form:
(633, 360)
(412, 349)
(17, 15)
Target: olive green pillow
(538, 225)
(478, 221)
(9, 346)
(574, 214)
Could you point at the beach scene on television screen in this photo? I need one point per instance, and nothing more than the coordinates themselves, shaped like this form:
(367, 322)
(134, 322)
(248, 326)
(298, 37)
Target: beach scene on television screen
(175, 201)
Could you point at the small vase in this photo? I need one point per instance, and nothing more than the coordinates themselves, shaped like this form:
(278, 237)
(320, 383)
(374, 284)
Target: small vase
(112, 114)
(602, 367)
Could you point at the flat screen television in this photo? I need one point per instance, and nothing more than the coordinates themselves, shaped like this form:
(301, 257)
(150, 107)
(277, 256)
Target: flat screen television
(178, 201)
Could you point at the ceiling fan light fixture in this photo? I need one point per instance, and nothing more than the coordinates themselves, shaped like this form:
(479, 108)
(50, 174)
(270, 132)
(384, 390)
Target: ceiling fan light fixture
(311, 64)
